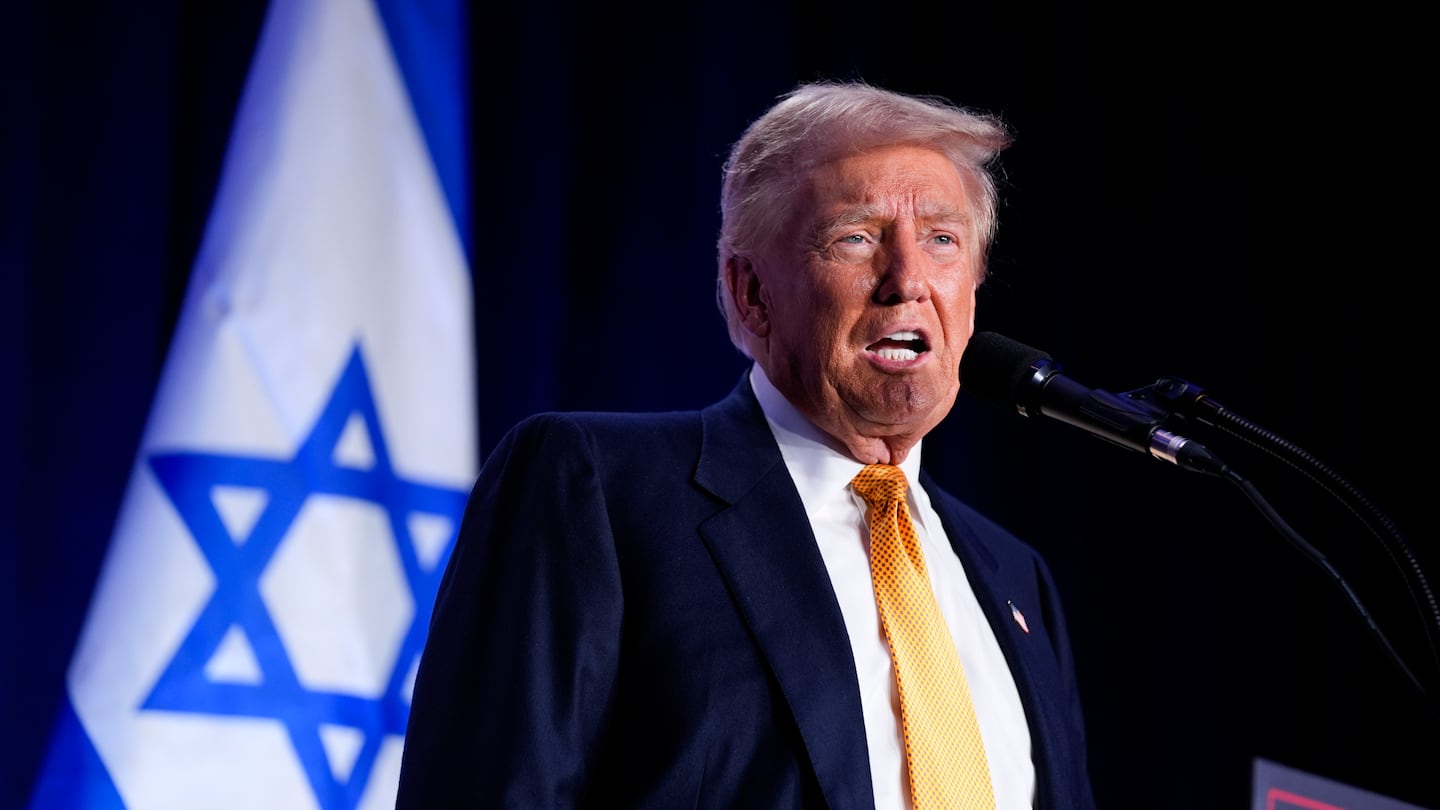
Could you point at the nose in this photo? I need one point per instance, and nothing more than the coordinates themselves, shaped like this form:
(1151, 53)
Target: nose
(903, 273)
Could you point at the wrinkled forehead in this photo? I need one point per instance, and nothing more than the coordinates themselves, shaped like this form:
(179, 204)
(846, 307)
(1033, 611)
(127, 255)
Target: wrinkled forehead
(892, 181)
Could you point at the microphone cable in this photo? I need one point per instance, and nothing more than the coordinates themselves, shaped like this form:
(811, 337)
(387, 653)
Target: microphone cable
(1191, 402)
(1010, 374)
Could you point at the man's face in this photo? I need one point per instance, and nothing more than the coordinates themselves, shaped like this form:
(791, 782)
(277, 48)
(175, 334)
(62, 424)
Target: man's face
(870, 295)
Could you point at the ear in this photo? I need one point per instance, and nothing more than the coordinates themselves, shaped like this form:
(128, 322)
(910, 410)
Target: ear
(746, 291)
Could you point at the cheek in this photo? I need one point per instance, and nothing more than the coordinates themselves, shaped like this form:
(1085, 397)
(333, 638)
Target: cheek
(959, 315)
(807, 318)
(958, 288)
(830, 293)
(958, 281)
(839, 288)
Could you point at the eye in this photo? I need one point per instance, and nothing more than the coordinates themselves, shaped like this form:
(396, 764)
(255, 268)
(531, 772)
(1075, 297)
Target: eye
(850, 246)
(944, 243)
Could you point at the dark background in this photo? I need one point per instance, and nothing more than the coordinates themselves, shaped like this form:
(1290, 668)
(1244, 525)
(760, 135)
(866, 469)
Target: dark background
(1232, 195)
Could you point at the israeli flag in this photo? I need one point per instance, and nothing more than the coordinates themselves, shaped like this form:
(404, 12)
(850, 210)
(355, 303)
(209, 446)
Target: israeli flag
(259, 616)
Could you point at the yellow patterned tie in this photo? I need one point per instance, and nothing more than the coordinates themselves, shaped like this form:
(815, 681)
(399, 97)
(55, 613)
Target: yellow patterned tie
(946, 757)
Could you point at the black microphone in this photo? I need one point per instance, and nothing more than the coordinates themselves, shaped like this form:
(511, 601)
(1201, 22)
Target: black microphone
(1010, 374)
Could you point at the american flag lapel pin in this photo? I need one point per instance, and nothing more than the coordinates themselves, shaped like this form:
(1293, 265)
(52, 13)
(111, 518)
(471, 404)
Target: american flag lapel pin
(1019, 617)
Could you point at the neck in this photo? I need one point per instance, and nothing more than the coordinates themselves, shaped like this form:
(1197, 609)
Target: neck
(878, 450)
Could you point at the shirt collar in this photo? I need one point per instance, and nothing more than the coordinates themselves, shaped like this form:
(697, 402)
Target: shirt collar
(818, 462)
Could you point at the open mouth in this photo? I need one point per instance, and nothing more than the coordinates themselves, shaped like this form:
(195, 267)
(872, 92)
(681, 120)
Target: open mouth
(900, 346)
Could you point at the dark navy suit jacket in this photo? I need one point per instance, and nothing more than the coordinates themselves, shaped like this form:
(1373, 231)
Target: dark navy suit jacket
(636, 615)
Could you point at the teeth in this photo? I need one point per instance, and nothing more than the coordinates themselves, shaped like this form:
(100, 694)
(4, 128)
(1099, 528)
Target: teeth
(904, 336)
(898, 354)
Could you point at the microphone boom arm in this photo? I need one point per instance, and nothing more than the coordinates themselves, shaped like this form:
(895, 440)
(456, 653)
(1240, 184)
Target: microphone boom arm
(1191, 402)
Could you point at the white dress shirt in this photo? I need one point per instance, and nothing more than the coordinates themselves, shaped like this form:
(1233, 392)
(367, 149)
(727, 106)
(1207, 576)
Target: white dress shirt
(822, 470)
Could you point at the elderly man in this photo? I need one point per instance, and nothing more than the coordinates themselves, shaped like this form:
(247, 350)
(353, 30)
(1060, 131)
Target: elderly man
(750, 606)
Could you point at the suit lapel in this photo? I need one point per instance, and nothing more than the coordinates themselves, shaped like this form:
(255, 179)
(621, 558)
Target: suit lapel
(767, 553)
(998, 583)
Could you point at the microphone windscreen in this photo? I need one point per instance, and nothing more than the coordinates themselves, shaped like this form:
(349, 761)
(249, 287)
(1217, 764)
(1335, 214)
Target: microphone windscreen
(996, 369)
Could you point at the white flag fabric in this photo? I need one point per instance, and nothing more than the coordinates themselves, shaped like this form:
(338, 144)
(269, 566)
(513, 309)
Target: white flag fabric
(252, 639)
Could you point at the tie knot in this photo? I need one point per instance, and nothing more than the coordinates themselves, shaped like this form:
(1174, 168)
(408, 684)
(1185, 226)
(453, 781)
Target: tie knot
(879, 483)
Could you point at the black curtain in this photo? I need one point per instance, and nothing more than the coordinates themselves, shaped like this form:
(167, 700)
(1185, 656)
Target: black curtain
(1205, 192)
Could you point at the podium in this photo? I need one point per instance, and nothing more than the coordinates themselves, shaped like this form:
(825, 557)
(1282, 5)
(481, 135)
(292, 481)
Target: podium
(1277, 787)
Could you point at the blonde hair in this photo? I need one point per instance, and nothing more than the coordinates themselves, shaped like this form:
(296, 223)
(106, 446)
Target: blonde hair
(819, 121)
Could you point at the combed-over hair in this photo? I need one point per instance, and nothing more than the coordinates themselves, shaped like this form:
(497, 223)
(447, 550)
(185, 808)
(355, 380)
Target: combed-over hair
(820, 121)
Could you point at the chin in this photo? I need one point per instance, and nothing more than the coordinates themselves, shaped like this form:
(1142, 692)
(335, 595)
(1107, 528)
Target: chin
(914, 396)
(909, 419)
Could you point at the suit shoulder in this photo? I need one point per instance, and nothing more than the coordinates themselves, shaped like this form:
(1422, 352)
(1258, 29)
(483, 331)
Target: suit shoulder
(609, 434)
(607, 424)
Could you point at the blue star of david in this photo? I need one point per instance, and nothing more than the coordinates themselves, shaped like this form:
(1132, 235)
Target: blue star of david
(238, 563)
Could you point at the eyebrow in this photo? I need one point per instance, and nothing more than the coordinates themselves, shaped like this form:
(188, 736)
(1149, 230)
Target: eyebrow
(859, 214)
